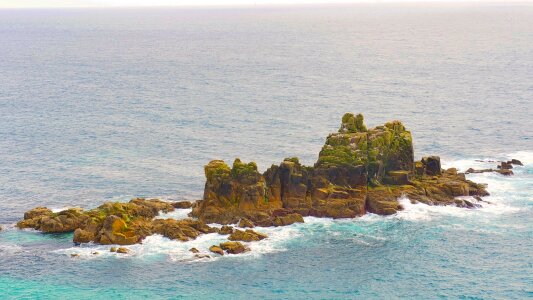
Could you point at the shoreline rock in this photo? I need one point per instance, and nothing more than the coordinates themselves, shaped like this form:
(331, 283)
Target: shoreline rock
(358, 171)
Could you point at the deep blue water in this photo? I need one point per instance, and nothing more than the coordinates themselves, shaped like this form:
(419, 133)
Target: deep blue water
(99, 105)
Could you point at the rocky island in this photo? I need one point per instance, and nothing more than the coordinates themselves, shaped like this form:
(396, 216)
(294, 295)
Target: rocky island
(358, 171)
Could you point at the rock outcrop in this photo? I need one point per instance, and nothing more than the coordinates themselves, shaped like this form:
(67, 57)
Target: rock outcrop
(504, 168)
(358, 170)
(115, 223)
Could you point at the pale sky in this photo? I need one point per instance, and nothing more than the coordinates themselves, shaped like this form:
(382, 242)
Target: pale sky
(118, 3)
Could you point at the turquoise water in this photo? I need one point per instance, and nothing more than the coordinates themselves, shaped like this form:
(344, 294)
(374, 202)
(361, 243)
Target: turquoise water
(102, 105)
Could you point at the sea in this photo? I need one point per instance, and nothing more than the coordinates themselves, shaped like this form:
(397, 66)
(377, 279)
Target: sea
(109, 104)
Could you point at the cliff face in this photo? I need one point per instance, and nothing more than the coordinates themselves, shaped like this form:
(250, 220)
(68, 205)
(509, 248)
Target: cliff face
(358, 170)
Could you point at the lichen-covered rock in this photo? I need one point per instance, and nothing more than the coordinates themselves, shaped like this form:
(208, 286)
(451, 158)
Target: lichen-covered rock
(182, 204)
(233, 247)
(288, 219)
(37, 212)
(83, 236)
(246, 236)
(45, 220)
(123, 250)
(232, 192)
(216, 249)
(225, 229)
(246, 223)
(110, 223)
(115, 231)
(183, 230)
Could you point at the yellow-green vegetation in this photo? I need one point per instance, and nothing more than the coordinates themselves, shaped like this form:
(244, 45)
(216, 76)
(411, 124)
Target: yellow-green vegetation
(352, 124)
(217, 169)
(344, 149)
(241, 169)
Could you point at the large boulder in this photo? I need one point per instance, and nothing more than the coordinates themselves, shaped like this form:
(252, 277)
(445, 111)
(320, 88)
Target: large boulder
(115, 231)
(45, 220)
(233, 247)
(288, 219)
(246, 236)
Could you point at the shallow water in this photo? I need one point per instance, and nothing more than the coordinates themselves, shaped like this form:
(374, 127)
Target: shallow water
(102, 105)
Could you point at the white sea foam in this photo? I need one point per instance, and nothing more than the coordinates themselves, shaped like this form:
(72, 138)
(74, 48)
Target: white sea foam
(502, 190)
(58, 209)
(156, 246)
(9, 249)
(526, 157)
(424, 212)
(177, 214)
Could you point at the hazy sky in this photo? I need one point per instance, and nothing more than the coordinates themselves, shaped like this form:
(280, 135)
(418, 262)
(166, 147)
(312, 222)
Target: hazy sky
(83, 3)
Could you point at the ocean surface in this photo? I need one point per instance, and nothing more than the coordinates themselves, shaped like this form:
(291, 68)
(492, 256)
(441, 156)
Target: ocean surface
(108, 104)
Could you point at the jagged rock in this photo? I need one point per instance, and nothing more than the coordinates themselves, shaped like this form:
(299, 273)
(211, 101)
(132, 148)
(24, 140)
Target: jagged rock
(110, 223)
(516, 162)
(37, 212)
(45, 220)
(216, 249)
(245, 223)
(182, 204)
(115, 231)
(505, 172)
(233, 247)
(246, 236)
(288, 219)
(83, 236)
(432, 165)
(225, 229)
(397, 177)
(230, 193)
(123, 250)
(383, 200)
(182, 230)
(155, 204)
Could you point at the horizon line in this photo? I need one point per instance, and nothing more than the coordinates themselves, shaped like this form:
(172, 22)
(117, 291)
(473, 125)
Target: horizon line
(275, 4)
